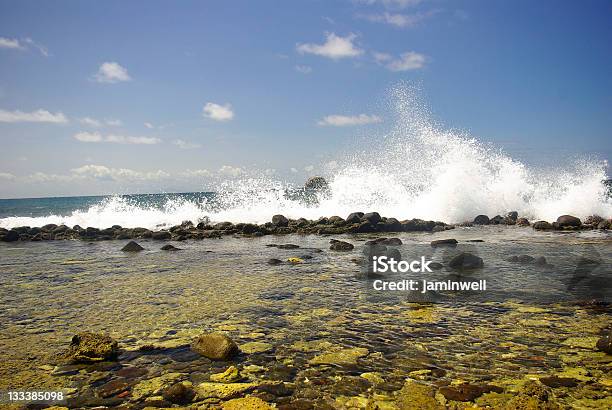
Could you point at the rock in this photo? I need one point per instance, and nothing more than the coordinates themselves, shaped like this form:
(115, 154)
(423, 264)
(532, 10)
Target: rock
(555, 381)
(467, 392)
(481, 220)
(542, 225)
(156, 385)
(48, 228)
(354, 218)
(316, 183)
(391, 241)
(444, 242)
(169, 247)
(540, 261)
(417, 396)
(161, 235)
(223, 390)
(274, 261)
(496, 220)
(340, 245)
(11, 236)
(605, 343)
(603, 225)
(280, 220)
(288, 246)
(512, 215)
(215, 346)
(255, 347)
(568, 220)
(372, 217)
(593, 220)
(91, 347)
(179, 393)
(113, 387)
(132, 247)
(532, 396)
(435, 266)
(246, 403)
(522, 222)
(465, 260)
(342, 357)
(230, 375)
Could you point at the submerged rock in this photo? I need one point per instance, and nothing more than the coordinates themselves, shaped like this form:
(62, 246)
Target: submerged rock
(132, 247)
(555, 381)
(91, 348)
(215, 346)
(337, 245)
(533, 396)
(444, 242)
(169, 248)
(274, 261)
(417, 396)
(605, 343)
(179, 393)
(343, 357)
(467, 391)
(288, 246)
(466, 260)
(230, 375)
(246, 403)
(208, 390)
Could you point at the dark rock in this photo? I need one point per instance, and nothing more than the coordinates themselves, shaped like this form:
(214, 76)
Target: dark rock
(444, 242)
(568, 220)
(593, 220)
(605, 343)
(274, 261)
(132, 247)
(467, 392)
(532, 395)
(481, 220)
(288, 246)
(365, 227)
(161, 235)
(540, 261)
(215, 346)
(179, 393)
(169, 247)
(391, 241)
(11, 236)
(435, 266)
(496, 220)
(466, 260)
(316, 183)
(336, 220)
(392, 225)
(603, 225)
(223, 226)
(522, 222)
(354, 218)
(554, 381)
(280, 220)
(249, 229)
(542, 225)
(512, 215)
(340, 245)
(372, 217)
(91, 348)
(48, 227)
(113, 387)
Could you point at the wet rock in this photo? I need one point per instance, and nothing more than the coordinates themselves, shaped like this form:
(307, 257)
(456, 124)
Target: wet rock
(246, 403)
(113, 387)
(230, 375)
(481, 220)
(522, 222)
(132, 247)
(435, 266)
(465, 260)
(521, 259)
(605, 343)
(288, 246)
(316, 183)
(179, 393)
(540, 261)
(224, 391)
(444, 242)
(215, 346)
(280, 220)
(340, 246)
(48, 228)
(512, 215)
(532, 396)
(542, 225)
(467, 392)
(372, 217)
(354, 218)
(364, 227)
(568, 220)
(342, 357)
(274, 261)
(169, 247)
(156, 385)
(11, 236)
(604, 225)
(593, 220)
(417, 396)
(161, 235)
(255, 347)
(555, 381)
(496, 220)
(391, 241)
(91, 348)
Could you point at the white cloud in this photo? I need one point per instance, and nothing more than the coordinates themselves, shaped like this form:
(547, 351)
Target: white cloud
(347, 120)
(294, 170)
(7, 176)
(149, 125)
(42, 49)
(12, 43)
(117, 174)
(90, 122)
(196, 173)
(335, 47)
(113, 122)
(231, 171)
(407, 61)
(182, 144)
(392, 4)
(34, 116)
(309, 168)
(304, 69)
(218, 112)
(117, 139)
(400, 20)
(111, 72)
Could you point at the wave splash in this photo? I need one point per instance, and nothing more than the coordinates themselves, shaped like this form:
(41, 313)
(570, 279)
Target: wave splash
(417, 170)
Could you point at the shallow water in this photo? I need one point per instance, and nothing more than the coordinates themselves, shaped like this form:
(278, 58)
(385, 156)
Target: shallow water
(530, 322)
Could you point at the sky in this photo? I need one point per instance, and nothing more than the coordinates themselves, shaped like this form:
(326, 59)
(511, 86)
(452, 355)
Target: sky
(156, 96)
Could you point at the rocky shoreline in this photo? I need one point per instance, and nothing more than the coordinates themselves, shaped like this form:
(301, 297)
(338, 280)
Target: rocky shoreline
(356, 222)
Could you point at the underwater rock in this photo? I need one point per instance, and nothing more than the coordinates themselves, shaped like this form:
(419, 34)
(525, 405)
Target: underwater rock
(246, 403)
(288, 246)
(280, 220)
(179, 393)
(467, 391)
(113, 388)
(274, 261)
(465, 260)
(568, 220)
(342, 357)
(169, 247)
(230, 375)
(156, 385)
(444, 242)
(533, 395)
(555, 381)
(91, 348)
(605, 343)
(223, 390)
(542, 225)
(215, 346)
(417, 396)
(391, 241)
(132, 247)
(481, 220)
(255, 347)
(337, 245)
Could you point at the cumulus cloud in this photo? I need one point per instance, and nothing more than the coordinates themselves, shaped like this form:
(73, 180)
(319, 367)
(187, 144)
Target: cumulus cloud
(405, 62)
(218, 112)
(117, 174)
(304, 69)
(34, 116)
(400, 20)
(334, 47)
(117, 139)
(348, 120)
(111, 72)
(196, 173)
(90, 122)
(182, 144)
(231, 171)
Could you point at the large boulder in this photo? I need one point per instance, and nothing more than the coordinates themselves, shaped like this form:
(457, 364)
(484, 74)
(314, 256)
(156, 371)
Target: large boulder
(316, 184)
(465, 260)
(481, 220)
(337, 245)
(372, 217)
(354, 218)
(280, 220)
(11, 236)
(215, 346)
(132, 247)
(91, 348)
(568, 220)
(542, 225)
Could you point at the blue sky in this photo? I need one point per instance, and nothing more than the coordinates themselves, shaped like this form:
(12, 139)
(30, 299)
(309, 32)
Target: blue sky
(116, 96)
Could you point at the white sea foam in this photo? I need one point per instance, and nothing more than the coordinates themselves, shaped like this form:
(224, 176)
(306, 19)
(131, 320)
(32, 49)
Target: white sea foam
(417, 170)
